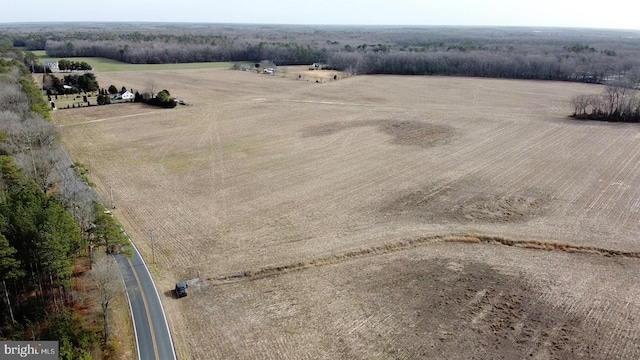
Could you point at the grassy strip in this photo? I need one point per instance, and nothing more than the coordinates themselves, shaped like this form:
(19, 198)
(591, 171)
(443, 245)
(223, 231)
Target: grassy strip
(107, 65)
(37, 103)
(123, 343)
(82, 172)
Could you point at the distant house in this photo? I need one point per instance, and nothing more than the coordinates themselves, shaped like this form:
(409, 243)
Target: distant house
(124, 95)
(318, 66)
(52, 65)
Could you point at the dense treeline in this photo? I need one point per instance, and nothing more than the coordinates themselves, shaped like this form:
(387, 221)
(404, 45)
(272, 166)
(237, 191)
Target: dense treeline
(175, 51)
(527, 53)
(69, 65)
(86, 82)
(75, 83)
(618, 102)
(455, 59)
(49, 217)
(480, 64)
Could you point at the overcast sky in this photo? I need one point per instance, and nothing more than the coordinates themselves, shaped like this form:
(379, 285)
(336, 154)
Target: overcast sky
(617, 14)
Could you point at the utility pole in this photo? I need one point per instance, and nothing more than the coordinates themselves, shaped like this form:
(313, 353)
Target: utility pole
(113, 205)
(153, 247)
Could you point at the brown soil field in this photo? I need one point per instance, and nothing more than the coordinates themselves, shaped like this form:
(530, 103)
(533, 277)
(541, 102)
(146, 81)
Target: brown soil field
(376, 217)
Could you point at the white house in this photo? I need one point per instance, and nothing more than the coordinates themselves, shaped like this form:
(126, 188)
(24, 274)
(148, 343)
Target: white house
(319, 66)
(52, 65)
(124, 95)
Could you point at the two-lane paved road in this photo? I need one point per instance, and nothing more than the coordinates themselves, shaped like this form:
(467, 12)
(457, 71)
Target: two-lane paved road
(153, 339)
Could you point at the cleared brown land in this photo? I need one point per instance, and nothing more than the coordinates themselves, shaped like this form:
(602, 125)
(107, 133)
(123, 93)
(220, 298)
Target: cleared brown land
(322, 187)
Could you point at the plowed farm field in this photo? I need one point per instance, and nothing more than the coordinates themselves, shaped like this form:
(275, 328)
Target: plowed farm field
(375, 217)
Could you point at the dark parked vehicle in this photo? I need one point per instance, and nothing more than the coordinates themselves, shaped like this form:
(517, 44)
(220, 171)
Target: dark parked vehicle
(181, 289)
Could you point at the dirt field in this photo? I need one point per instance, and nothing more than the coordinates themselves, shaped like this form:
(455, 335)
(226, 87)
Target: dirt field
(317, 214)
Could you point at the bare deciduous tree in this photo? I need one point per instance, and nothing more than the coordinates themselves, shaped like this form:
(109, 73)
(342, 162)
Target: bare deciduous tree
(151, 89)
(12, 98)
(581, 103)
(106, 277)
(618, 102)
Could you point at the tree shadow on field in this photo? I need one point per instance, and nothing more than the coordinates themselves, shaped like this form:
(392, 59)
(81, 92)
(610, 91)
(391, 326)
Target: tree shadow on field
(406, 132)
